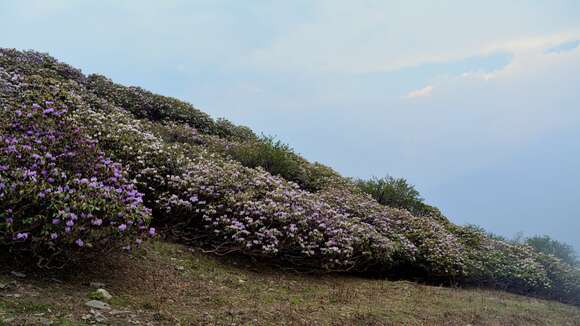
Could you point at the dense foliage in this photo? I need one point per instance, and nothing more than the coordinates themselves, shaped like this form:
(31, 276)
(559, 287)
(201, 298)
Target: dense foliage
(59, 192)
(85, 161)
(395, 192)
(549, 246)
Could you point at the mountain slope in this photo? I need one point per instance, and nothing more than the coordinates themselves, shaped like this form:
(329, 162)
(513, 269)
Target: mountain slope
(89, 166)
(168, 284)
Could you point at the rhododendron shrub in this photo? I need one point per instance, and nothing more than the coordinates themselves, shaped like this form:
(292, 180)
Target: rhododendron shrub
(516, 267)
(60, 194)
(252, 212)
(429, 249)
(232, 208)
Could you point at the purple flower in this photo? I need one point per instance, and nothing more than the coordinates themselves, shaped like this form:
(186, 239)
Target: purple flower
(152, 232)
(122, 227)
(80, 243)
(54, 236)
(22, 236)
(55, 221)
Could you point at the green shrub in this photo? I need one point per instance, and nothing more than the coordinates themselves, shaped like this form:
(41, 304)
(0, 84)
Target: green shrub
(273, 156)
(549, 246)
(397, 193)
(320, 176)
(225, 129)
(144, 104)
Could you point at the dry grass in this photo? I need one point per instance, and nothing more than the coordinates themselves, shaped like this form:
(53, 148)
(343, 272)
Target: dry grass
(168, 284)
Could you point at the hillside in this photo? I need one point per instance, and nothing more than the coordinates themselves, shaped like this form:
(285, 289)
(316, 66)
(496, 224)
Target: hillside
(91, 169)
(168, 284)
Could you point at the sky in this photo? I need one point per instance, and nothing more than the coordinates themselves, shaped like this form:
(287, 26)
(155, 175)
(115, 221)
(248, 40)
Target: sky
(475, 103)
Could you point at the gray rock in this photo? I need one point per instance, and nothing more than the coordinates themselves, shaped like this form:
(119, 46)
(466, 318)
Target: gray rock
(13, 295)
(119, 312)
(44, 321)
(98, 317)
(18, 274)
(104, 294)
(98, 305)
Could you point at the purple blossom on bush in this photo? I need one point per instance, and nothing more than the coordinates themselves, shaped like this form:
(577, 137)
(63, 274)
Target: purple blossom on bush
(22, 236)
(50, 172)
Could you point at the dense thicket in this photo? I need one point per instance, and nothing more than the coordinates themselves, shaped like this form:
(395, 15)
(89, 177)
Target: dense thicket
(59, 192)
(126, 152)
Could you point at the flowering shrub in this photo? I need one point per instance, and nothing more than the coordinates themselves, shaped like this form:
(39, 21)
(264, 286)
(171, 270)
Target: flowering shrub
(429, 250)
(144, 104)
(227, 130)
(201, 195)
(517, 267)
(275, 157)
(85, 161)
(59, 194)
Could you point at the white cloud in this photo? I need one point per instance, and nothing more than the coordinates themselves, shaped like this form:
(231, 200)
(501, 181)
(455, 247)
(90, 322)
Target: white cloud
(381, 36)
(425, 91)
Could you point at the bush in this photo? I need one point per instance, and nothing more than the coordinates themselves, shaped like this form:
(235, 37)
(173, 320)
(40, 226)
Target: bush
(320, 176)
(60, 195)
(549, 246)
(397, 193)
(516, 267)
(273, 156)
(227, 130)
(278, 159)
(144, 104)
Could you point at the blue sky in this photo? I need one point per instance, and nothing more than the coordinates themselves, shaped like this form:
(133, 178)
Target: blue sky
(477, 104)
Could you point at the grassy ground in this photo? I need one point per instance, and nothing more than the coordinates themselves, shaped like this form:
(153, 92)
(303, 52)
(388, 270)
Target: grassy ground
(168, 284)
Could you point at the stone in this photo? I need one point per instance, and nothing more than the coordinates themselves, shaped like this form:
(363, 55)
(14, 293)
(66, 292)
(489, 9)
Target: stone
(18, 274)
(13, 295)
(98, 317)
(104, 294)
(119, 312)
(98, 305)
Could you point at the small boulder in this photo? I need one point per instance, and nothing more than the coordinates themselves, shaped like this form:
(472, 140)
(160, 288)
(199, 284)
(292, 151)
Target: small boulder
(104, 294)
(96, 304)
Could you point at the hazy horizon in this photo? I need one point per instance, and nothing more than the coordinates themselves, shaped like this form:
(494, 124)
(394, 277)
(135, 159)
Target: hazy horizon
(477, 105)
